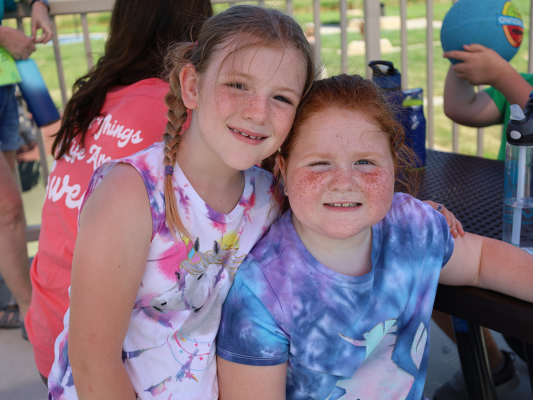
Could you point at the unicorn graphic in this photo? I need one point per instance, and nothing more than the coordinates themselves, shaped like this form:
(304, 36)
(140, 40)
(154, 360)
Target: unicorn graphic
(203, 272)
(389, 381)
(198, 288)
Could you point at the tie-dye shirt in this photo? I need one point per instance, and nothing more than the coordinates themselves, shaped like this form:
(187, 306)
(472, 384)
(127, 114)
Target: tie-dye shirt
(169, 349)
(344, 337)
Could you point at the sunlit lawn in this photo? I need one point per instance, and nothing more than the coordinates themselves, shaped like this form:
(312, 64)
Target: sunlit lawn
(74, 62)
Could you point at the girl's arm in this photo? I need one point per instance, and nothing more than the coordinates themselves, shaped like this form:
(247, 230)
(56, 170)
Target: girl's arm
(490, 264)
(238, 381)
(107, 268)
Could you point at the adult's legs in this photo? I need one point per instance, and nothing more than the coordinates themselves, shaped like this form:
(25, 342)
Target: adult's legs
(14, 263)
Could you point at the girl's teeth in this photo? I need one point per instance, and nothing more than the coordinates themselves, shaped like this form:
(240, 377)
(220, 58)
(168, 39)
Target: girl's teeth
(344, 204)
(251, 137)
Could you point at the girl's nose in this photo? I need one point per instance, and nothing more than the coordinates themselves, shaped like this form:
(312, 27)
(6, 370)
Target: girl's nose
(342, 180)
(256, 108)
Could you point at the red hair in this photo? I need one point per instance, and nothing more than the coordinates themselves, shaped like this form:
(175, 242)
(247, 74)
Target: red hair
(355, 93)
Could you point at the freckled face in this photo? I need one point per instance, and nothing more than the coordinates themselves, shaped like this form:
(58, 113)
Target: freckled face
(340, 175)
(248, 102)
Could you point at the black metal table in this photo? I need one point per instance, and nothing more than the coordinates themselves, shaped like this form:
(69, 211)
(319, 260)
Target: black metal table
(472, 188)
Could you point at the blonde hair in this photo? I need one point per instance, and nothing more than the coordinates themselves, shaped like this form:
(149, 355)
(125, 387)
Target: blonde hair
(265, 26)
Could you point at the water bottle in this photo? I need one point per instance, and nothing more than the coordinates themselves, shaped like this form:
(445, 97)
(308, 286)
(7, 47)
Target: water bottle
(518, 193)
(414, 123)
(389, 80)
(35, 93)
(408, 106)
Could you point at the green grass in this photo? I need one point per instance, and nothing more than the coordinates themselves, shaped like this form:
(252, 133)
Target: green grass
(74, 65)
(74, 62)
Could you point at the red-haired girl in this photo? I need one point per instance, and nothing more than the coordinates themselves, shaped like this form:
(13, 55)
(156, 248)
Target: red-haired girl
(335, 301)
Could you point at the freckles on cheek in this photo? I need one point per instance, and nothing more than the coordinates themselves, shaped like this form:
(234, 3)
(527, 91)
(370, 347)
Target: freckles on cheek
(225, 100)
(378, 187)
(305, 187)
(283, 121)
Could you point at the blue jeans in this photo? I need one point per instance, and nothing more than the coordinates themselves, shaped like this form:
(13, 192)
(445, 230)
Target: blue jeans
(9, 119)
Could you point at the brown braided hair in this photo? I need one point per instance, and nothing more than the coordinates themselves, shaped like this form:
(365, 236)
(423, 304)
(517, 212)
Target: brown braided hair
(244, 26)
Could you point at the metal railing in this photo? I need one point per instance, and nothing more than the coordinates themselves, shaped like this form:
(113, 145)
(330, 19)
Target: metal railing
(372, 34)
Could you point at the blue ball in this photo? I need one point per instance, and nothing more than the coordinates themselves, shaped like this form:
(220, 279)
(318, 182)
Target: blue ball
(496, 24)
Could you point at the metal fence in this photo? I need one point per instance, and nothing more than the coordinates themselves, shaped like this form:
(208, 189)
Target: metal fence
(372, 13)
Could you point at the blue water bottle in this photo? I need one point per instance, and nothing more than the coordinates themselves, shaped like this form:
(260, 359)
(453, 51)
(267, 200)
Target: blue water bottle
(408, 106)
(389, 80)
(414, 123)
(35, 93)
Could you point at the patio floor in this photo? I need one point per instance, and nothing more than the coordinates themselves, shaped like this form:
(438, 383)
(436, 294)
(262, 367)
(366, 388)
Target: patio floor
(19, 379)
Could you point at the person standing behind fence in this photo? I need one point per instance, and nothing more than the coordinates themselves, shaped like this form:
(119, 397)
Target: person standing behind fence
(14, 256)
(117, 109)
(483, 66)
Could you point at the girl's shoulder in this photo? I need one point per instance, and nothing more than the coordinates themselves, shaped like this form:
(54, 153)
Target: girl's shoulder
(408, 214)
(274, 242)
(407, 206)
(148, 163)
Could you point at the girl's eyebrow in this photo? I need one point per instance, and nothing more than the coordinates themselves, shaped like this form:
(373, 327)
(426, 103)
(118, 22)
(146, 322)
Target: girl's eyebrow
(250, 77)
(326, 155)
(317, 155)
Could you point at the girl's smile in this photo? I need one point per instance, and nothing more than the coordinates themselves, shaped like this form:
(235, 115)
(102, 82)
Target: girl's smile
(244, 103)
(340, 176)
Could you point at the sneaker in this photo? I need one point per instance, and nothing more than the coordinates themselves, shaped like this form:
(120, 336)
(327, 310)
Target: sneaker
(505, 382)
(9, 317)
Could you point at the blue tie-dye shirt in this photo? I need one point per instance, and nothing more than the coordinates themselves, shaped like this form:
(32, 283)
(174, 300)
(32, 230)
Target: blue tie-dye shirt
(344, 337)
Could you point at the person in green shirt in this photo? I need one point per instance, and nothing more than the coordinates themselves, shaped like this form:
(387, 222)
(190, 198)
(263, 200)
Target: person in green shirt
(505, 111)
(482, 66)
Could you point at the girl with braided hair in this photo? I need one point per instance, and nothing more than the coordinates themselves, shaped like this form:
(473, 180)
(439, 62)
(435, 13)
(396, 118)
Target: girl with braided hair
(163, 232)
(117, 109)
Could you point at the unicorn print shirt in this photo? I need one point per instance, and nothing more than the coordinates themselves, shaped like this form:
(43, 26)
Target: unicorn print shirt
(169, 349)
(343, 337)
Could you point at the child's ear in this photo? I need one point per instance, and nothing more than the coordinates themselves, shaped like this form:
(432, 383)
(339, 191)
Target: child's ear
(189, 86)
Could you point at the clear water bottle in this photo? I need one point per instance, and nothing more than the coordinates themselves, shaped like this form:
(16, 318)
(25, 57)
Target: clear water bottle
(518, 186)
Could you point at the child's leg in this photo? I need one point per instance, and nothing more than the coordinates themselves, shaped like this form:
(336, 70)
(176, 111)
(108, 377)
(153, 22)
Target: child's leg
(14, 264)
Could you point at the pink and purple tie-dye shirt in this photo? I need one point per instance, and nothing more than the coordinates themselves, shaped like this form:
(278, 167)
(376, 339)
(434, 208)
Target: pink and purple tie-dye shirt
(169, 349)
(344, 337)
